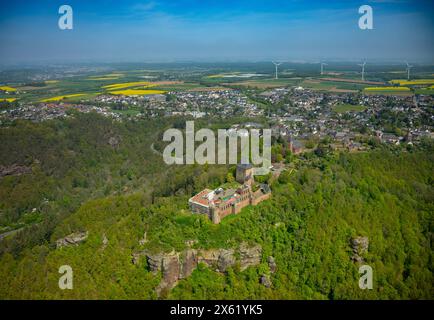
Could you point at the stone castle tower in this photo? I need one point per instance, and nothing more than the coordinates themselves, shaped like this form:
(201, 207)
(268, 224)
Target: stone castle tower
(244, 174)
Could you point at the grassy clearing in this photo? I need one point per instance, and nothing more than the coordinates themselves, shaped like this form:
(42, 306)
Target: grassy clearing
(425, 91)
(337, 86)
(111, 76)
(179, 87)
(266, 83)
(342, 108)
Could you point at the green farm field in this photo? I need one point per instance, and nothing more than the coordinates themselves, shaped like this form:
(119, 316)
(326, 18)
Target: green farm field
(342, 108)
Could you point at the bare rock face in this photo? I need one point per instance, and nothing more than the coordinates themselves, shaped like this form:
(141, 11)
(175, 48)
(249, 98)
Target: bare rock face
(265, 281)
(209, 257)
(114, 142)
(73, 239)
(272, 264)
(14, 170)
(360, 246)
(170, 268)
(226, 259)
(104, 241)
(155, 261)
(175, 266)
(189, 262)
(249, 256)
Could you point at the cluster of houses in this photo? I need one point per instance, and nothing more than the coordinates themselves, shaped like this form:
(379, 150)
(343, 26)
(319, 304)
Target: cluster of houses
(310, 114)
(130, 100)
(48, 111)
(302, 114)
(223, 103)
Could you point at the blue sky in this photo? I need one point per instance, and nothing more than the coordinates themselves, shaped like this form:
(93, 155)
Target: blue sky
(218, 30)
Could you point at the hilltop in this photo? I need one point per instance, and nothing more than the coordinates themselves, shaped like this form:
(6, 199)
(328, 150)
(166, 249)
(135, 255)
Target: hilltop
(308, 226)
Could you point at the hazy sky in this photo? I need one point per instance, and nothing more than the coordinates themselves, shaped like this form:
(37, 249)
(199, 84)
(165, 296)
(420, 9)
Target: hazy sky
(217, 30)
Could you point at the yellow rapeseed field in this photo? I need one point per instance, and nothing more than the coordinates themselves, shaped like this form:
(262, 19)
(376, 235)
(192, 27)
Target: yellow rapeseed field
(413, 82)
(51, 81)
(7, 88)
(387, 89)
(103, 78)
(118, 86)
(114, 75)
(132, 92)
(9, 99)
(58, 98)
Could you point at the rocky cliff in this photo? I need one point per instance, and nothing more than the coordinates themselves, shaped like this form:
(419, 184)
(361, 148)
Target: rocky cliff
(72, 239)
(14, 170)
(179, 265)
(360, 246)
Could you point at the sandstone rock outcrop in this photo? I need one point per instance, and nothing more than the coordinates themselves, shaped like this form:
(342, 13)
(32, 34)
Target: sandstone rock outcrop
(14, 170)
(73, 239)
(175, 266)
(226, 259)
(104, 241)
(249, 256)
(171, 269)
(360, 246)
(272, 264)
(189, 260)
(265, 281)
(114, 142)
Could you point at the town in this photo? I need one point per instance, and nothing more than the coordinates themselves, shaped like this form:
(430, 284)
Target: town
(299, 114)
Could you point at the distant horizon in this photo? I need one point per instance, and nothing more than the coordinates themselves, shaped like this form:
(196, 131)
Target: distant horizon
(162, 31)
(335, 62)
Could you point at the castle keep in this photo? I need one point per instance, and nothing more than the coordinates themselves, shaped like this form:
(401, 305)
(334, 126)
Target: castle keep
(219, 203)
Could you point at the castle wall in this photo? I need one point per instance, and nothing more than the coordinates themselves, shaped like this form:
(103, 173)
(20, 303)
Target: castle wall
(215, 216)
(260, 197)
(242, 203)
(244, 200)
(196, 208)
(224, 210)
(218, 213)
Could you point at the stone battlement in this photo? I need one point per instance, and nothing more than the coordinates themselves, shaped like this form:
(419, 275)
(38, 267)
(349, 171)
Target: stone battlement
(219, 203)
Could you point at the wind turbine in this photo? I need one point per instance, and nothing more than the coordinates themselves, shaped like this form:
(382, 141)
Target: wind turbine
(408, 70)
(276, 64)
(363, 70)
(322, 67)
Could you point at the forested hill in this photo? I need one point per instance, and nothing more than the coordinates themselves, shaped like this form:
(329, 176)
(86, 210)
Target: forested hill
(308, 225)
(48, 169)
